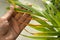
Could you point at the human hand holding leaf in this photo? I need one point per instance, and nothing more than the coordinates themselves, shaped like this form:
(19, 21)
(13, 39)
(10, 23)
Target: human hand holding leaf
(12, 23)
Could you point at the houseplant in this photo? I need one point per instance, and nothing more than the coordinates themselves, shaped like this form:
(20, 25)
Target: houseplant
(49, 27)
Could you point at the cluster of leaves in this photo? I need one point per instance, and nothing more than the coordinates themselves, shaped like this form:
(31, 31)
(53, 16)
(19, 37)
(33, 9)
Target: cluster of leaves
(56, 3)
(48, 31)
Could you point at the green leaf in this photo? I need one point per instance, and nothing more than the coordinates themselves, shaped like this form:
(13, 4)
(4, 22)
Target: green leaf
(46, 38)
(33, 11)
(51, 13)
(43, 23)
(40, 28)
(44, 34)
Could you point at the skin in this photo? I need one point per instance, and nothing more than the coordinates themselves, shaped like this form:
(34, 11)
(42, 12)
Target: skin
(12, 23)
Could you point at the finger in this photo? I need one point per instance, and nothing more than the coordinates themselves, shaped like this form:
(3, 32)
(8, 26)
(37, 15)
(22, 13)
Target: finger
(15, 13)
(19, 15)
(25, 23)
(23, 18)
(9, 13)
(15, 26)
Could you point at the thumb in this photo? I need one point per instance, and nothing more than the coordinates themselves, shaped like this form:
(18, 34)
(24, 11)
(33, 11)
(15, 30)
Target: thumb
(9, 13)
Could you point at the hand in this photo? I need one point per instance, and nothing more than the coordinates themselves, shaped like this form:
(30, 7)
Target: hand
(12, 23)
